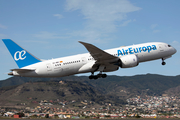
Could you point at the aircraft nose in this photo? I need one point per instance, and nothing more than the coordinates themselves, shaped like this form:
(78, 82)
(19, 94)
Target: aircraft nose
(174, 50)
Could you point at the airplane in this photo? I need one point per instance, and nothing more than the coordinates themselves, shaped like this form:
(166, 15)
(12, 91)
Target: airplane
(96, 60)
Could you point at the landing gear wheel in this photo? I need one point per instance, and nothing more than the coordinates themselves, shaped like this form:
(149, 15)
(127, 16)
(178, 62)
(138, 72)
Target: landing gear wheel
(100, 75)
(104, 76)
(91, 77)
(163, 63)
(95, 77)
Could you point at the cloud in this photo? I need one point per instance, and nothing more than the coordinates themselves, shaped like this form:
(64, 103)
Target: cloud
(90, 35)
(156, 31)
(143, 30)
(176, 44)
(101, 15)
(59, 16)
(153, 26)
(36, 41)
(2, 26)
(125, 23)
(3, 36)
(48, 35)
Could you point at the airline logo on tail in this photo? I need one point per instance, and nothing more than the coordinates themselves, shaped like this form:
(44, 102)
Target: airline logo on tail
(19, 55)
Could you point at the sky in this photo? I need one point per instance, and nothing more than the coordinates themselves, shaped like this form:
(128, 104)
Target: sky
(52, 28)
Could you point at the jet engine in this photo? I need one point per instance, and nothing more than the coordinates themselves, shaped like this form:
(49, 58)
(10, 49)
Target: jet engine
(128, 61)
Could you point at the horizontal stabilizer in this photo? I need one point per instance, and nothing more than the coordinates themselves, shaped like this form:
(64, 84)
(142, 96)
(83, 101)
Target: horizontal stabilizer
(17, 71)
(22, 70)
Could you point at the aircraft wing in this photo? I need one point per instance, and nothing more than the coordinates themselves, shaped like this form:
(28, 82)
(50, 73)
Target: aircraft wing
(99, 55)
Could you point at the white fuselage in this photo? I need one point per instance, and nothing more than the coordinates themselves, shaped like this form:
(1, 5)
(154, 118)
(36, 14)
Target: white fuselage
(82, 63)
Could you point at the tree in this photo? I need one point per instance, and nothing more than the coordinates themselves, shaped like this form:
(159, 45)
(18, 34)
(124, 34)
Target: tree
(47, 116)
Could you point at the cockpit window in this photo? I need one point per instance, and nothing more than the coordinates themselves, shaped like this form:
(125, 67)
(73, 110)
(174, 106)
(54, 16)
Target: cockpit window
(169, 45)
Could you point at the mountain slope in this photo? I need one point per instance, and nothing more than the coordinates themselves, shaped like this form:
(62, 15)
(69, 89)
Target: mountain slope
(120, 86)
(37, 91)
(152, 84)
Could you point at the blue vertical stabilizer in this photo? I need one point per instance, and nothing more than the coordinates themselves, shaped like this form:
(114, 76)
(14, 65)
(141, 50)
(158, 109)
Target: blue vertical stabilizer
(21, 56)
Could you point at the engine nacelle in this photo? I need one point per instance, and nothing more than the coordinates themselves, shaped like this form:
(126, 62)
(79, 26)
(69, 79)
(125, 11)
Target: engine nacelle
(111, 68)
(128, 61)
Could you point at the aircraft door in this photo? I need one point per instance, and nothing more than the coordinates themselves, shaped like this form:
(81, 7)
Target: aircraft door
(84, 60)
(49, 68)
(161, 49)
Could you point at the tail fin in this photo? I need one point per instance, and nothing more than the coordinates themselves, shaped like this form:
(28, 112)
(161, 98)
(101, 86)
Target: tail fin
(21, 56)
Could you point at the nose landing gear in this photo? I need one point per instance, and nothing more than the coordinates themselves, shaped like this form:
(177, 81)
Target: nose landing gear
(163, 63)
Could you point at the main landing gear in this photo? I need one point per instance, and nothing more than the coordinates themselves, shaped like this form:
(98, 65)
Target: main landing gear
(100, 75)
(163, 63)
